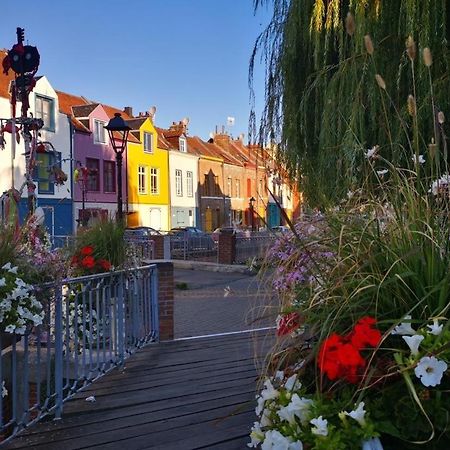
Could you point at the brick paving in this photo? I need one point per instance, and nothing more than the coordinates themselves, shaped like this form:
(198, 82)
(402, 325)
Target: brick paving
(218, 302)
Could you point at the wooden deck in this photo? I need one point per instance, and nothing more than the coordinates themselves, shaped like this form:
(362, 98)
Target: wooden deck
(186, 395)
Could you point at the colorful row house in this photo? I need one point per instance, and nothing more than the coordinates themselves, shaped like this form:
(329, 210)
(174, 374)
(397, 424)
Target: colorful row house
(170, 179)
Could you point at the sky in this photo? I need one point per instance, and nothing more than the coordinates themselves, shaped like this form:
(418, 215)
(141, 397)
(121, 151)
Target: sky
(189, 58)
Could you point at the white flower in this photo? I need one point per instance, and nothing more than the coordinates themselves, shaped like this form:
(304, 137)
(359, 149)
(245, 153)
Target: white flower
(260, 405)
(4, 390)
(257, 435)
(269, 392)
(371, 152)
(420, 160)
(2, 282)
(435, 329)
(440, 184)
(430, 370)
(413, 343)
(380, 173)
(298, 407)
(274, 440)
(265, 419)
(350, 194)
(358, 414)
(7, 266)
(292, 384)
(321, 426)
(279, 375)
(404, 327)
(372, 444)
(10, 328)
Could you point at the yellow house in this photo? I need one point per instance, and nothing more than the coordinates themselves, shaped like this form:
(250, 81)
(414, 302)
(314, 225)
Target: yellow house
(148, 177)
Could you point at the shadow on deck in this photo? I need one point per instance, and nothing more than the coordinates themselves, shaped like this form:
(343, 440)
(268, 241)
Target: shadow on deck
(186, 395)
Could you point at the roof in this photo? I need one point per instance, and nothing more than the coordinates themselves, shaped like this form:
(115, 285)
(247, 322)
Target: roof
(83, 110)
(136, 122)
(66, 102)
(5, 80)
(163, 143)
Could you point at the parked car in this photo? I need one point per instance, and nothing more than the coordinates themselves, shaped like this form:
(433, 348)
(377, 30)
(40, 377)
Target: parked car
(141, 232)
(190, 238)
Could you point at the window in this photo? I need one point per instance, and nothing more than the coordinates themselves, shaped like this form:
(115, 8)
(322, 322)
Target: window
(229, 182)
(206, 189)
(109, 176)
(99, 132)
(178, 182)
(216, 185)
(148, 142)
(154, 180)
(93, 181)
(238, 188)
(183, 147)
(45, 111)
(44, 171)
(190, 184)
(142, 180)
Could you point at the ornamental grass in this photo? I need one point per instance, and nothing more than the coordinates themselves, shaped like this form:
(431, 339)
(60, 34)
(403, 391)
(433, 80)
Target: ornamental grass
(363, 347)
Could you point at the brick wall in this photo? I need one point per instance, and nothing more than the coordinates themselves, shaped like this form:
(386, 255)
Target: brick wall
(159, 246)
(227, 248)
(165, 298)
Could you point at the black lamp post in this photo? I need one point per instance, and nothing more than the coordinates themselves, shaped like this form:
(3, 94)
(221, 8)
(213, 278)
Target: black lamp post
(118, 133)
(252, 213)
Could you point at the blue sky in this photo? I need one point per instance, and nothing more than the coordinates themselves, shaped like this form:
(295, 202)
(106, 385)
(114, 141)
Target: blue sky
(189, 58)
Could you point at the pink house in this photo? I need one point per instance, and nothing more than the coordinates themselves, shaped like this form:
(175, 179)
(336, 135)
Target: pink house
(94, 160)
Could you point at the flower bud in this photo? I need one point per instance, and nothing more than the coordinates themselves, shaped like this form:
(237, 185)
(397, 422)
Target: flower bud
(380, 81)
(369, 44)
(411, 48)
(427, 58)
(350, 25)
(412, 109)
(441, 117)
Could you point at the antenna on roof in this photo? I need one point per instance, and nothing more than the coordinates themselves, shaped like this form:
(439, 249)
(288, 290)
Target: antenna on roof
(211, 135)
(230, 121)
(185, 121)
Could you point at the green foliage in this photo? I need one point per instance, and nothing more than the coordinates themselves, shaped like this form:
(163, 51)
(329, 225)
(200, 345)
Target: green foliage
(323, 105)
(8, 245)
(107, 240)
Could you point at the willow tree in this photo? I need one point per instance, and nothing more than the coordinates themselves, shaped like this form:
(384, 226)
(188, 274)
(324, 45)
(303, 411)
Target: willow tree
(324, 106)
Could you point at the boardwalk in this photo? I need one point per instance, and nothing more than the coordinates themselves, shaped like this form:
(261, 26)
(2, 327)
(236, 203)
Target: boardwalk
(188, 394)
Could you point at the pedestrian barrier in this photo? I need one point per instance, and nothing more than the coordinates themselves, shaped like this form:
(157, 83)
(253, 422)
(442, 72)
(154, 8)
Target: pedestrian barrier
(91, 325)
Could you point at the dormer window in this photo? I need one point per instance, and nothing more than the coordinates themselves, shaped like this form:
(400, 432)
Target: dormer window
(148, 142)
(45, 110)
(99, 132)
(183, 145)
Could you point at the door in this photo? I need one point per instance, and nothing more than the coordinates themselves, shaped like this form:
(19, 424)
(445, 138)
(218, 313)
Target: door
(155, 218)
(208, 220)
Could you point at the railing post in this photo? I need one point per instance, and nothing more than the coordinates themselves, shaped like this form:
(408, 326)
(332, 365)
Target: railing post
(227, 248)
(164, 298)
(120, 318)
(154, 305)
(58, 352)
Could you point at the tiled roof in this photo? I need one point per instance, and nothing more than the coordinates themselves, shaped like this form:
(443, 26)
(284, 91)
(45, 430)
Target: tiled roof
(83, 110)
(136, 123)
(5, 79)
(163, 143)
(66, 101)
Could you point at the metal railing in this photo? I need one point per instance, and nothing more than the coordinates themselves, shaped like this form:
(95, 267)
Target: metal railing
(253, 246)
(187, 247)
(91, 325)
(139, 248)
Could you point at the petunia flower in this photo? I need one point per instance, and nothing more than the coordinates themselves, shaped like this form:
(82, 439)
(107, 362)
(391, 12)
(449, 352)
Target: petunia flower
(430, 370)
(358, 414)
(321, 426)
(256, 435)
(435, 329)
(372, 444)
(383, 172)
(413, 343)
(419, 160)
(371, 152)
(404, 328)
(274, 440)
(269, 392)
(292, 384)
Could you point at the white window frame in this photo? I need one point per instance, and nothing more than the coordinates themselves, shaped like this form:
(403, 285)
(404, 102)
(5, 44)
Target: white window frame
(179, 182)
(99, 125)
(142, 180)
(39, 111)
(154, 181)
(148, 138)
(189, 183)
(183, 145)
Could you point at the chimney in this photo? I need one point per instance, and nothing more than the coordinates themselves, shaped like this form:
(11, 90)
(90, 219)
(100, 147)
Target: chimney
(128, 110)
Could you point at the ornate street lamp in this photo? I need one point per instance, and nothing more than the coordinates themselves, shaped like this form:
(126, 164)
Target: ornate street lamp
(118, 134)
(252, 212)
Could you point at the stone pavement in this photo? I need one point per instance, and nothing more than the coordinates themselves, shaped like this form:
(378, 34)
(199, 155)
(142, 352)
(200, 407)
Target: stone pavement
(216, 302)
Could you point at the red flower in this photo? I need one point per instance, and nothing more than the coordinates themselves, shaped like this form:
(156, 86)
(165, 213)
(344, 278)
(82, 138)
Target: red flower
(104, 264)
(88, 262)
(87, 250)
(364, 335)
(288, 323)
(327, 358)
